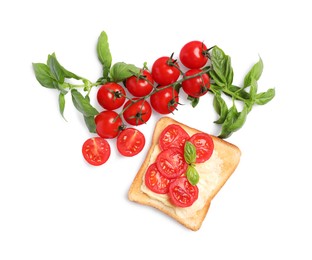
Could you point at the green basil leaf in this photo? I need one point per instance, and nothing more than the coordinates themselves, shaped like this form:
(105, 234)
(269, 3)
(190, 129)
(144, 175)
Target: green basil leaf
(240, 119)
(231, 117)
(221, 67)
(189, 152)
(194, 100)
(82, 104)
(62, 104)
(254, 73)
(252, 92)
(121, 71)
(55, 68)
(192, 175)
(264, 97)
(44, 75)
(220, 107)
(104, 54)
(90, 123)
(67, 74)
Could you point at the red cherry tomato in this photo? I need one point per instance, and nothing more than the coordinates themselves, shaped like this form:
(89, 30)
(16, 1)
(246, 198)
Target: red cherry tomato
(155, 181)
(165, 71)
(96, 151)
(173, 136)
(140, 86)
(130, 142)
(165, 101)
(111, 96)
(193, 55)
(182, 193)
(108, 124)
(137, 113)
(204, 146)
(171, 163)
(197, 86)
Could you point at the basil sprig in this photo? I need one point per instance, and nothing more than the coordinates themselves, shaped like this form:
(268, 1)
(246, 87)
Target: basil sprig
(190, 157)
(221, 73)
(54, 76)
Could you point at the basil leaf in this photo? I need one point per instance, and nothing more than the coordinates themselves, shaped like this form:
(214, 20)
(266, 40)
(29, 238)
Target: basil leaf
(62, 104)
(83, 104)
(90, 123)
(238, 92)
(220, 107)
(239, 120)
(189, 152)
(55, 68)
(222, 71)
(194, 100)
(231, 117)
(104, 54)
(192, 175)
(264, 97)
(44, 75)
(121, 71)
(254, 73)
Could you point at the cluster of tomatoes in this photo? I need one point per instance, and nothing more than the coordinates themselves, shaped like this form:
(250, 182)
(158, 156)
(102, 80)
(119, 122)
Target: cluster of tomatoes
(150, 90)
(167, 174)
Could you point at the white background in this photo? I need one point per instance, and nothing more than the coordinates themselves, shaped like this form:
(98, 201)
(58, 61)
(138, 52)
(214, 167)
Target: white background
(53, 205)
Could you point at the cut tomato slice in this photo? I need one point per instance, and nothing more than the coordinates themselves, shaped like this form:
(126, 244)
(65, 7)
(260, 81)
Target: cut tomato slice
(171, 163)
(204, 146)
(173, 136)
(182, 193)
(96, 151)
(155, 181)
(130, 142)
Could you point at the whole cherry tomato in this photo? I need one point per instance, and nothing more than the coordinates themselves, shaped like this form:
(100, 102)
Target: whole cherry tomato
(165, 71)
(141, 85)
(197, 86)
(194, 55)
(111, 96)
(137, 112)
(108, 124)
(165, 101)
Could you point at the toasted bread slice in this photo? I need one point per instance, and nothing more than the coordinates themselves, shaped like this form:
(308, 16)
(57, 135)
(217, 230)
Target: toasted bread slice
(217, 170)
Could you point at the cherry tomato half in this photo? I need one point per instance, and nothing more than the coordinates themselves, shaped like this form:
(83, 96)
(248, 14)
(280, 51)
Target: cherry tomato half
(96, 151)
(108, 124)
(182, 193)
(165, 101)
(165, 71)
(193, 55)
(111, 96)
(140, 86)
(155, 181)
(204, 146)
(197, 86)
(130, 142)
(173, 136)
(137, 113)
(171, 163)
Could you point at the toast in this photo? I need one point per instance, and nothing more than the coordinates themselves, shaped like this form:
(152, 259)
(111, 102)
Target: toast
(218, 169)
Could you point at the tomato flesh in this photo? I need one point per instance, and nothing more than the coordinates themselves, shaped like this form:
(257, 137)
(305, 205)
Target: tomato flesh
(171, 163)
(155, 181)
(204, 146)
(130, 142)
(96, 151)
(173, 136)
(182, 193)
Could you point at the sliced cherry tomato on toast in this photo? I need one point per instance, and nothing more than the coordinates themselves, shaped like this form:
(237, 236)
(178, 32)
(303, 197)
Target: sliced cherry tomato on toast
(130, 142)
(173, 136)
(155, 181)
(96, 151)
(171, 163)
(182, 193)
(204, 146)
